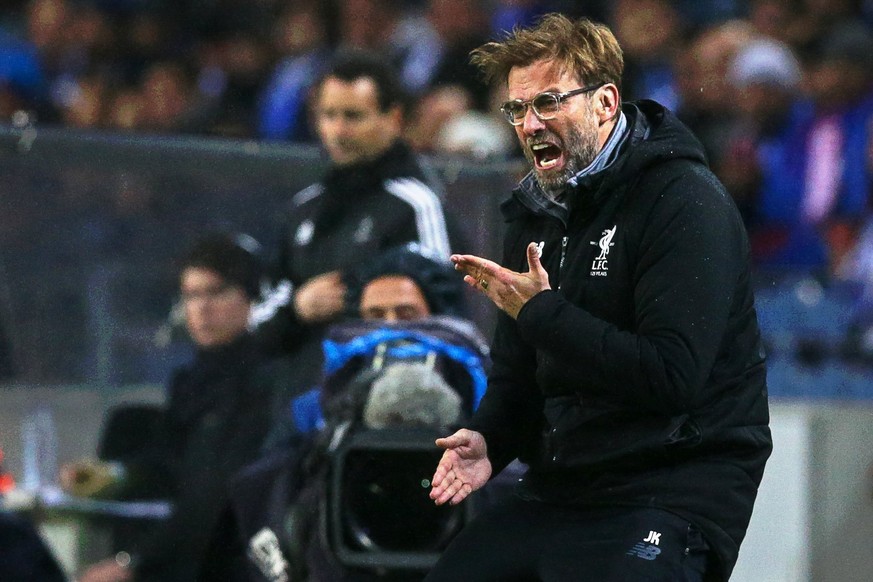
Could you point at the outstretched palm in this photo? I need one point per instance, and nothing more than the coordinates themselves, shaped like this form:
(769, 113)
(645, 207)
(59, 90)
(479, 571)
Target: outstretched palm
(463, 468)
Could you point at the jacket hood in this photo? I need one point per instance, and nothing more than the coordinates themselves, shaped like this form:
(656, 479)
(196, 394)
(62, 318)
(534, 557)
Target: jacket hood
(655, 135)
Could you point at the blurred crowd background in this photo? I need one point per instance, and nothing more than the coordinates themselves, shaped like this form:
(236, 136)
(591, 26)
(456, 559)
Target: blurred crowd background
(779, 91)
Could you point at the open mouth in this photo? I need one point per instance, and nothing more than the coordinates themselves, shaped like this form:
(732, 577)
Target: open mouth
(547, 156)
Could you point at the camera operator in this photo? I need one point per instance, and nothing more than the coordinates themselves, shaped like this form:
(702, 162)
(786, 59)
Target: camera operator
(399, 289)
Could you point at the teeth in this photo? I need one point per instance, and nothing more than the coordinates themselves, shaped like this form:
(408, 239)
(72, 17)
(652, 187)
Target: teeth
(539, 146)
(548, 163)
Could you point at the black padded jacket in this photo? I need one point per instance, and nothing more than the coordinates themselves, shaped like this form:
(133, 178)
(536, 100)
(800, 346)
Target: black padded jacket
(639, 378)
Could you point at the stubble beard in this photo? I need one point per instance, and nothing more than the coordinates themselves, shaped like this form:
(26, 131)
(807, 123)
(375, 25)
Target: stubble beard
(580, 149)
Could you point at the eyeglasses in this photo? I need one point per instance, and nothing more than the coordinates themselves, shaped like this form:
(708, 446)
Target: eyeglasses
(545, 105)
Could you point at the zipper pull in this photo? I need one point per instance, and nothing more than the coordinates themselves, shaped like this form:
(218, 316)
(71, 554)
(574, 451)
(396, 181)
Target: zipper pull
(564, 242)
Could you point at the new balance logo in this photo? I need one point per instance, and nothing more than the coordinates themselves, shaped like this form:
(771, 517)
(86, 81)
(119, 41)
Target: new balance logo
(641, 550)
(648, 551)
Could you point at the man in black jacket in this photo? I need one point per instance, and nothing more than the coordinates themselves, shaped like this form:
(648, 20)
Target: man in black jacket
(374, 196)
(218, 413)
(627, 370)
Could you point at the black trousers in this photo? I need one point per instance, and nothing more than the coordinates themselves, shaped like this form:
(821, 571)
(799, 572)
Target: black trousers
(520, 540)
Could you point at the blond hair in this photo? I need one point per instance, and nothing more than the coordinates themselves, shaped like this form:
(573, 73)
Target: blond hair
(587, 49)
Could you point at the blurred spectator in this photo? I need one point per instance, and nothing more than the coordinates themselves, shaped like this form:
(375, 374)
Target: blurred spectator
(124, 108)
(857, 269)
(218, 413)
(73, 40)
(87, 102)
(649, 32)
(455, 112)
(813, 20)
(433, 112)
(474, 135)
(435, 50)
(374, 196)
(771, 18)
(146, 37)
(702, 68)
(22, 80)
(45, 28)
(170, 101)
(301, 40)
(430, 48)
(231, 69)
(765, 77)
(821, 178)
(368, 24)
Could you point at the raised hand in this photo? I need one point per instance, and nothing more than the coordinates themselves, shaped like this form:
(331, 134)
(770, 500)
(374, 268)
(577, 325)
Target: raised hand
(321, 298)
(463, 468)
(507, 289)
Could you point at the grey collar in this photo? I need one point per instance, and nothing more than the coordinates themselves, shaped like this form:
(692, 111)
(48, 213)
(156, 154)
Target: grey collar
(607, 154)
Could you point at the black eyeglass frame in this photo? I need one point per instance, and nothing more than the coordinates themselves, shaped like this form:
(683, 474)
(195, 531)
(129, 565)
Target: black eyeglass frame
(559, 98)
